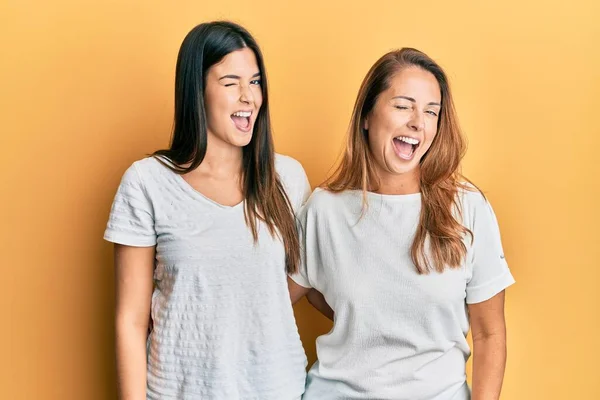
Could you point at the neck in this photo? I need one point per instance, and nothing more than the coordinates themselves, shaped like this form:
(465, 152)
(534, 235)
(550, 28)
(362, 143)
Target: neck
(222, 160)
(406, 183)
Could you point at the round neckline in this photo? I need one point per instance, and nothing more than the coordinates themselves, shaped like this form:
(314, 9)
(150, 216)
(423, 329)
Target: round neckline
(395, 197)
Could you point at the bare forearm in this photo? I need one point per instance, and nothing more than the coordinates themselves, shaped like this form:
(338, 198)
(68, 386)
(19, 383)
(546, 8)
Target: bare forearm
(131, 361)
(317, 300)
(489, 361)
(134, 268)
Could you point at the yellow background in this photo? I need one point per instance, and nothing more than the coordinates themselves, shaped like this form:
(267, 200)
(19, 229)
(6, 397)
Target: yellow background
(87, 87)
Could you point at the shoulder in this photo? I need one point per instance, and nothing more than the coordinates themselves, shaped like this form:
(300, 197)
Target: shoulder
(471, 197)
(323, 201)
(145, 174)
(288, 168)
(294, 180)
(475, 206)
(140, 168)
(149, 165)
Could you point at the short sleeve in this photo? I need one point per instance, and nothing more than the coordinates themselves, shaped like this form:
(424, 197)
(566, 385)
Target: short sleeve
(489, 272)
(294, 180)
(304, 189)
(131, 220)
(301, 277)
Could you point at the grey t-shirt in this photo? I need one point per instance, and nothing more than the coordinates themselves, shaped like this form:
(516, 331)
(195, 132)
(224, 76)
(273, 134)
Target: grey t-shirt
(397, 335)
(223, 321)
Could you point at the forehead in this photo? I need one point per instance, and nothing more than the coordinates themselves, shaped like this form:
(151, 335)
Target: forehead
(416, 83)
(239, 62)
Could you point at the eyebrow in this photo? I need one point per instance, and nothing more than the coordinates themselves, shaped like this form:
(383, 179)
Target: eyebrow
(237, 77)
(433, 103)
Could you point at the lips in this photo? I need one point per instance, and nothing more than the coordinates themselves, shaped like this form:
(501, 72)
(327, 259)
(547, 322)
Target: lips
(241, 119)
(405, 147)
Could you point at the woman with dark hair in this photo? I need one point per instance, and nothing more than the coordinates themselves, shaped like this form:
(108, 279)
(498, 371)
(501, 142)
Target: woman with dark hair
(204, 236)
(404, 250)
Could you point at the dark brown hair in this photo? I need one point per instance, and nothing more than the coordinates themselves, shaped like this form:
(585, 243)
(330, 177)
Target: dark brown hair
(266, 200)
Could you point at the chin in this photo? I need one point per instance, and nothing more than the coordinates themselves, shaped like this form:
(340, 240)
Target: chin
(239, 139)
(242, 142)
(245, 143)
(403, 170)
(400, 167)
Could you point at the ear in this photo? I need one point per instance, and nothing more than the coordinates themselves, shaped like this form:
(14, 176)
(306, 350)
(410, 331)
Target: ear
(366, 124)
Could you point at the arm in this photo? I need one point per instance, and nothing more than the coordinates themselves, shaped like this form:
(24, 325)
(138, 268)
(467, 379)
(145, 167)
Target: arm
(296, 291)
(134, 269)
(315, 298)
(318, 301)
(489, 347)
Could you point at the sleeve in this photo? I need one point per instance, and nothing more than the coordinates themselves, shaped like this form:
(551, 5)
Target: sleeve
(301, 277)
(489, 272)
(302, 188)
(131, 220)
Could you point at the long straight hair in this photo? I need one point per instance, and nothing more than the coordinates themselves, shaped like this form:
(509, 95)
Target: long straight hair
(265, 197)
(438, 242)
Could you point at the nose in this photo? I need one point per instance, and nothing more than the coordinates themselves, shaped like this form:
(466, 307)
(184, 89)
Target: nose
(417, 122)
(246, 95)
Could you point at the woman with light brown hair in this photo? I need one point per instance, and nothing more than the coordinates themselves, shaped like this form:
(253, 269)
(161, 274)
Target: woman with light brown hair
(404, 250)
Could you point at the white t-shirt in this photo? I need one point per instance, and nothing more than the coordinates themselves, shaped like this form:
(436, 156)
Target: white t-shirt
(224, 327)
(397, 335)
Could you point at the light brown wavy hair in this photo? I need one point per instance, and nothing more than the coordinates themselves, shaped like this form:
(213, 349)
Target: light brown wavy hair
(438, 242)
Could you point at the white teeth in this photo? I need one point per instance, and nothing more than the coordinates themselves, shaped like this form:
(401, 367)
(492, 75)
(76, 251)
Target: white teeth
(244, 114)
(408, 140)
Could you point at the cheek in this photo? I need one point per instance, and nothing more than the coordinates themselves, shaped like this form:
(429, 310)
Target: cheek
(392, 124)
(382, 125)
(430, 135)
(217, 106)
(389, 126)
(258, 97)
(377, 142)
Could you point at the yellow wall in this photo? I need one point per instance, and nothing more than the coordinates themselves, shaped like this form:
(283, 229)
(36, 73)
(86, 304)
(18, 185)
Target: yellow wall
(86, 88)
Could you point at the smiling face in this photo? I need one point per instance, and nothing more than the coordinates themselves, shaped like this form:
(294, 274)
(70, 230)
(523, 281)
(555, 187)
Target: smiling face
(403, 122)
(233, 97)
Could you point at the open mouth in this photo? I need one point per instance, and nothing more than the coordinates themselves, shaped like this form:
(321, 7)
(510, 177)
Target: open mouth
(241, 119)
(405, 146)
